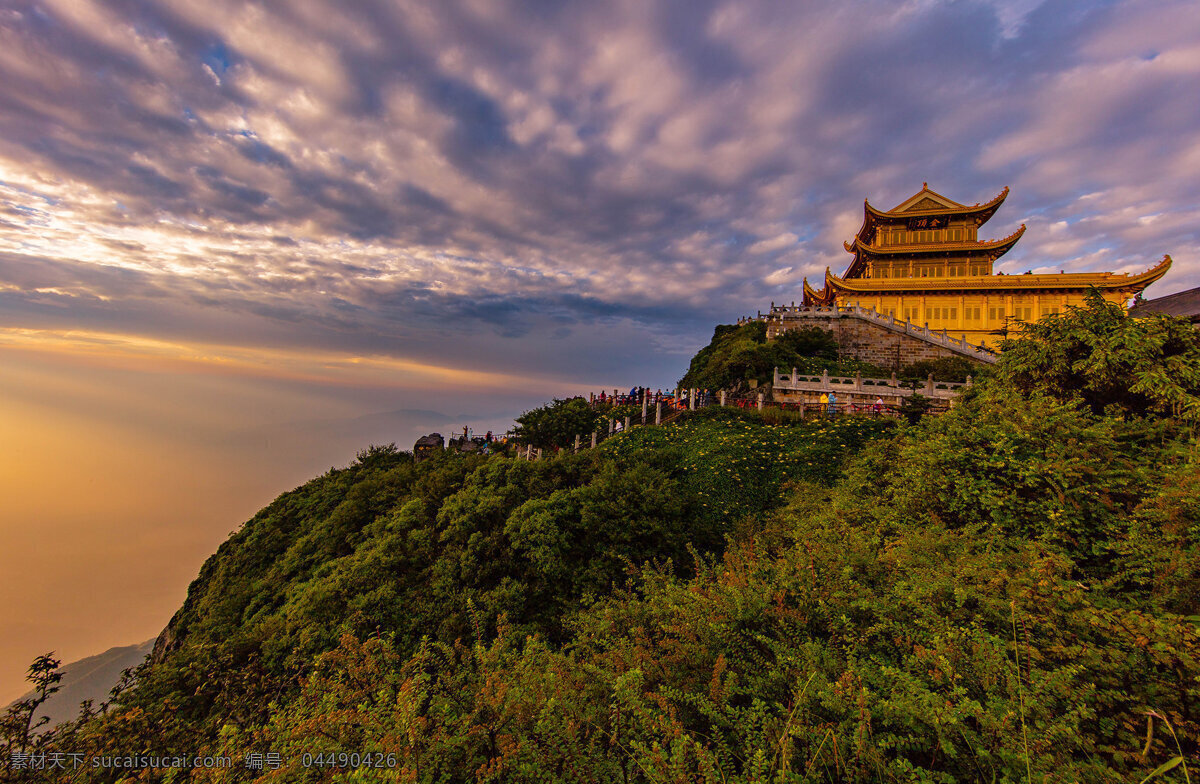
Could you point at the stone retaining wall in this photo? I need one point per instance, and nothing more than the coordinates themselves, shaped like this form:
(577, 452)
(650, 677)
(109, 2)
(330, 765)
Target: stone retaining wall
(878, 345)
(870, 338)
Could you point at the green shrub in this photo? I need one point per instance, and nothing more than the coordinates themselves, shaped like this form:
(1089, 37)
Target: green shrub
(557, 424)
(737, 355)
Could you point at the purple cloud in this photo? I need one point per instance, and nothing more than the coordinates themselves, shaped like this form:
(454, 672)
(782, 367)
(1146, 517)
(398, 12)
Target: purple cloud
(366, 176)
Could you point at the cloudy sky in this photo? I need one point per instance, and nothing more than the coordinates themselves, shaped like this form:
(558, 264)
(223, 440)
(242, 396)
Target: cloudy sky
(240, 240)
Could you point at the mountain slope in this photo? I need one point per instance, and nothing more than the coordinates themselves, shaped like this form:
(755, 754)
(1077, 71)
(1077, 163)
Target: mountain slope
(1006, 592)
(90, 678)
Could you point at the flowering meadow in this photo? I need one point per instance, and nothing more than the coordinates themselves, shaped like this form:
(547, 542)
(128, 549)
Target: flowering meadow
(734, 467)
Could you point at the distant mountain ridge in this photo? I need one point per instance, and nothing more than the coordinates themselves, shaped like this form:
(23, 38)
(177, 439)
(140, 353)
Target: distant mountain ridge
(90, 679)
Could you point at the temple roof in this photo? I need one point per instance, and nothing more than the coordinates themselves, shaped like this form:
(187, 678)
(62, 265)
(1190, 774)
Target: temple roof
(923, 203)
(994, 249)
(928, 202)
(1183, 303)
(814, 297)
(1062, 280)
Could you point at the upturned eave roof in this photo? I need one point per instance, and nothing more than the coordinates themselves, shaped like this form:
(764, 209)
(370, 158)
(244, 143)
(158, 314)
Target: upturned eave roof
(986, 246)
(1074, 280)
(982, 212)
(1181, 303)
(812, 296)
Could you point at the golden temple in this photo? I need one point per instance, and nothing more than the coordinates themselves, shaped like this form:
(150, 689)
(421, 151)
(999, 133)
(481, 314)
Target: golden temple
(924, 263)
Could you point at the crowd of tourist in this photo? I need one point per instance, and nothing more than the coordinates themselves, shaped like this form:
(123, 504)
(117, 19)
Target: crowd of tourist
(681, 399)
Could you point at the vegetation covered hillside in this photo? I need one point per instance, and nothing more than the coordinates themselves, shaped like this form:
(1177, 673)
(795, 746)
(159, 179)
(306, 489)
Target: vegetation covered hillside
(1008, 592)
(739, 355)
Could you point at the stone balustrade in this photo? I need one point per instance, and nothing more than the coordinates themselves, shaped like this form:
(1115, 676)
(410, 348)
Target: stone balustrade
(791, 387)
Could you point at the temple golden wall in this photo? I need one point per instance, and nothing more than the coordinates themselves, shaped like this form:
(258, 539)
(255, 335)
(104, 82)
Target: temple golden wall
(972, 316)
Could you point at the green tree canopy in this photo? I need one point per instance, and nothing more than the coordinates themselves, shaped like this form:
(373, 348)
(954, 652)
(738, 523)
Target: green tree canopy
(945, 369)
(1110, 360)
(557, 424)
(740, 354)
